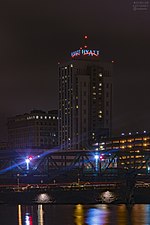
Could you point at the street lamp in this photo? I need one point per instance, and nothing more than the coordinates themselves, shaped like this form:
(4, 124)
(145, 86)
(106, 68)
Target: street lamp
(28, 160)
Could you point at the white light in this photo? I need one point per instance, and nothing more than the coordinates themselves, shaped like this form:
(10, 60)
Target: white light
(96, 157)
(122, 134)
(27, 161)
(43, 198)
(27, 219)
(71, 65)
(144, 131)
(130, 133)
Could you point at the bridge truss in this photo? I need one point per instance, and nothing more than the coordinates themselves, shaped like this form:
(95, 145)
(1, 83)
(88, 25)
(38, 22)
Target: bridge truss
(78, 164)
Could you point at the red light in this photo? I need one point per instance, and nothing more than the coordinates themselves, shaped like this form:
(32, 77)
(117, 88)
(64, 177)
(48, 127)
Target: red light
(85, 46)
(30, 158)
(85, 36)
(30, 220)
(80, 48)
(112, 61)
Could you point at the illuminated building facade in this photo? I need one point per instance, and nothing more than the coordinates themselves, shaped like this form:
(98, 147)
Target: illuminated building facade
(85, 99)
(133, 150)
(34, 130)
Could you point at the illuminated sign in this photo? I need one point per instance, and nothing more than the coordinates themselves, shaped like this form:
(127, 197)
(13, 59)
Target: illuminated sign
(85, 52)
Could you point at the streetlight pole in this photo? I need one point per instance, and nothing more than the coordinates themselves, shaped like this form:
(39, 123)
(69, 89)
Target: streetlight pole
(18, 180)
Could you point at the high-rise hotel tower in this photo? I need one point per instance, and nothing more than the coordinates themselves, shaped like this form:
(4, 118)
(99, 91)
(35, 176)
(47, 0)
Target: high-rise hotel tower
(85, 99)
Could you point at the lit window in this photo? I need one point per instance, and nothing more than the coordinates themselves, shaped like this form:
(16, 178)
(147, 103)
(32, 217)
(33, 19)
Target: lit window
(122, 147)
(45, 117)
(53, 117)
(65, 67)
(100, 75)
(100, 84)
(41, 117)
(49, 117)
(71, 65)
(37, 117)
(77, 106)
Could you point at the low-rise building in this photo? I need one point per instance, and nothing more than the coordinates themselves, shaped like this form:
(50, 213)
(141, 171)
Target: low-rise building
(34, 130)
(132, 150)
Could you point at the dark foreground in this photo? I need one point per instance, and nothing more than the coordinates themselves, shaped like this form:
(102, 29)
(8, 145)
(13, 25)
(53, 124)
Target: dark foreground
(72, 194)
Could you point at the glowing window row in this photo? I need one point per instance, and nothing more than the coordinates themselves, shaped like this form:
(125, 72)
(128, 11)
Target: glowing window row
(42, 117)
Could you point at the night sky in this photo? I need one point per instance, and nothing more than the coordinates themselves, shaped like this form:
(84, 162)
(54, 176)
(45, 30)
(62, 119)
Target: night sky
(36, 35)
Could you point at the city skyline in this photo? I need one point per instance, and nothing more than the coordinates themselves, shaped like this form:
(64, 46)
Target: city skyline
(35, 37)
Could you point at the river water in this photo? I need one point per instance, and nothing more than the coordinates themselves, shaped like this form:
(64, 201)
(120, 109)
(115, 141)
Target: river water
(100, 214)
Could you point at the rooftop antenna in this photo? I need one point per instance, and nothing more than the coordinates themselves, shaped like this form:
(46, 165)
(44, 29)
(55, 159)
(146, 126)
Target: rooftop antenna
(84, 42)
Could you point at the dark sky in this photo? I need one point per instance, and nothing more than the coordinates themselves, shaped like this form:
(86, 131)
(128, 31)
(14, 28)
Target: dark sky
(35, 35)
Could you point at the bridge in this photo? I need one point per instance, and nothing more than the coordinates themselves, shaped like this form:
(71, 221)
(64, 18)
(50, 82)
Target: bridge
(73, 165)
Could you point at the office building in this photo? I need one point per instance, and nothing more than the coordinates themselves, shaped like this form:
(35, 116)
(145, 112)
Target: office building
(34, 130)
(85, 99)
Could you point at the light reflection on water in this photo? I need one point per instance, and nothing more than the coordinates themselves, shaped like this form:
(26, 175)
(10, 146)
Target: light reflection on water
(100, 214)
(28, 219)
(97, 216)
(40, 215)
